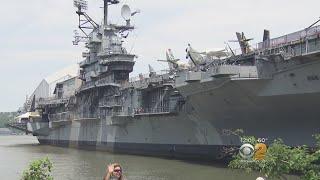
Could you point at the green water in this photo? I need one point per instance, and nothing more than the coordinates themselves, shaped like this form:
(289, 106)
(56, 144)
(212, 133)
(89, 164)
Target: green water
(17, 151)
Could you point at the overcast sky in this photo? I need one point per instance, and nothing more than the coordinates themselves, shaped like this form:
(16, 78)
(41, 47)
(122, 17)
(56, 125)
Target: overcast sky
(36, 35)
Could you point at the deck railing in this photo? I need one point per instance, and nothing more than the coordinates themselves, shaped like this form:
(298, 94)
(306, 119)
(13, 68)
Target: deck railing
(64, 116)
(291, 38)
(53, 100)
(158, 110)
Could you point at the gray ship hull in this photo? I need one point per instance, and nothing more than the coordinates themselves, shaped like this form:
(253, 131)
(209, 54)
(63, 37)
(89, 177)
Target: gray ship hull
(204, 130)
(285, 106)
(168, 136)
(197, 152)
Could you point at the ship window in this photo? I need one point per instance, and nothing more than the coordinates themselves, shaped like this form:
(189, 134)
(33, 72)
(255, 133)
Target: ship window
(303, 48)
(272, 51)
(312, 45)
(318, 44)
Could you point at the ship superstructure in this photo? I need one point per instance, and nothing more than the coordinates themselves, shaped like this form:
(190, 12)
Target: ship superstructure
(194, 109)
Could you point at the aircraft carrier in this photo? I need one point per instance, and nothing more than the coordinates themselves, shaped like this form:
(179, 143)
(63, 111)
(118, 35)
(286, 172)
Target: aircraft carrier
(193, 110)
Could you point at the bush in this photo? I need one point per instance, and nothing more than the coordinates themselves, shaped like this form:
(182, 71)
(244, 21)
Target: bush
(38, 170)
(282, 159)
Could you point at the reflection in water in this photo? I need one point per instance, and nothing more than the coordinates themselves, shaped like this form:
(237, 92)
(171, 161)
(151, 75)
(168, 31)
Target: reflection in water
(17, 151)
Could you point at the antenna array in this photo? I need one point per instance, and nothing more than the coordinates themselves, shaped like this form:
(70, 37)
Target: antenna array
(81, 4)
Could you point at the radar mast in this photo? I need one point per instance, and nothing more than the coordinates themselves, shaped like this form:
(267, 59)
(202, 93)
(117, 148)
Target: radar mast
(105, 7)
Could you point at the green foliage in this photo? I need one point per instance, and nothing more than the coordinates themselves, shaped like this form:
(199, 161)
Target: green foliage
(5, 117)
(282, 159)
(38, 170)
(317, 137)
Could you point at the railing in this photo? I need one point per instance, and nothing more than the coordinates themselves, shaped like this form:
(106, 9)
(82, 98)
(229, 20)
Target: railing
(290, 38)
(112, 103)
(146, 76)
(52, 100)
(84, 63)
(144, 80)
(247, 76)
(119, 113)
(158, 110)
(88, 85)
(99, 83)
(81, 116)
(111, 52)
(65, 116)
(106, 82)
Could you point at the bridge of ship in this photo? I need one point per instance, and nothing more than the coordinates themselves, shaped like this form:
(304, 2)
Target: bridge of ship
(153, 90)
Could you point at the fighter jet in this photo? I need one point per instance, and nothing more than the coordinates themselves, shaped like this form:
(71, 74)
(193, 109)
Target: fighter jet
(217, 54)
(174, 64)
(201, 58)
(243, 42)
(196, 58)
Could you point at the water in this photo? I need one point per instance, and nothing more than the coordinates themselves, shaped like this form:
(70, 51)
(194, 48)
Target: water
(17, 151)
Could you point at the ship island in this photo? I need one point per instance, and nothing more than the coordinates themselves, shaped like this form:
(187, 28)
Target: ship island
(193, 109)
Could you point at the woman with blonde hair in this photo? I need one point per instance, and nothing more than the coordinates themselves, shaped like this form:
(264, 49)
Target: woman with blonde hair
(114, 172)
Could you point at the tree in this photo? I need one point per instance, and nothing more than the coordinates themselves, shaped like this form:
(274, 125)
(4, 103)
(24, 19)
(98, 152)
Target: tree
(281, 159)
(38, 170)
(6, 117)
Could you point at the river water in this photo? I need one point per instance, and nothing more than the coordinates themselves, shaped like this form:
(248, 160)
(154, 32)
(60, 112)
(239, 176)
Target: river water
(17, 151)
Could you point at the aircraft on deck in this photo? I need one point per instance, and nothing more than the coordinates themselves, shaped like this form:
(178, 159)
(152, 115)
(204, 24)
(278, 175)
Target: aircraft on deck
(174, 64)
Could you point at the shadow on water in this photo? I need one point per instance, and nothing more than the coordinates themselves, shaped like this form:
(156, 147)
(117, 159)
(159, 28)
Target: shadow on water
(20, 145)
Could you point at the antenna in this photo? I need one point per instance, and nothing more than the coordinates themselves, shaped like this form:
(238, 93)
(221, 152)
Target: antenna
(80, 4)
(126, 12)
(86, 23)
(314, 24)
(106, 4)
